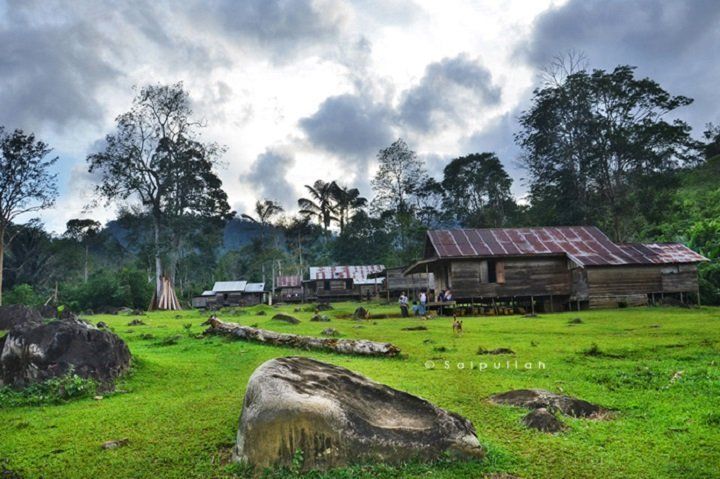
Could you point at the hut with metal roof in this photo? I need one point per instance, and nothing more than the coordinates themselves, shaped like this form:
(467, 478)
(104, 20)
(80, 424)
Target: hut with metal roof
(231, 293)
(337, 283)
(288, 289)
(556, 268)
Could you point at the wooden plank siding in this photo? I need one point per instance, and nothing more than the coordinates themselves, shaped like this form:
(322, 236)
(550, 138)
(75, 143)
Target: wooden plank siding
(518, 277)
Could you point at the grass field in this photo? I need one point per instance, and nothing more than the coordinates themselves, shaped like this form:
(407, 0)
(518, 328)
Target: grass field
(179, 407)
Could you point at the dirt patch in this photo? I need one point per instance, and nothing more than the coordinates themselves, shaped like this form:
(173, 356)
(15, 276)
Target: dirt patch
(415, 328)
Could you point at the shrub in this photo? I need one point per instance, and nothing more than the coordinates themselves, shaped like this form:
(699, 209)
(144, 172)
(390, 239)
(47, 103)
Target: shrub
(22, 294)
(52, 391)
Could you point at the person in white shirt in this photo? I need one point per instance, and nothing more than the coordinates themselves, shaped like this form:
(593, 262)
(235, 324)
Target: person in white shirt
(403, 302)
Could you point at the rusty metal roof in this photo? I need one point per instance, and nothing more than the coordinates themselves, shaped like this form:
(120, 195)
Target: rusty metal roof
(292, 281)
(584, 245)
(357, 273)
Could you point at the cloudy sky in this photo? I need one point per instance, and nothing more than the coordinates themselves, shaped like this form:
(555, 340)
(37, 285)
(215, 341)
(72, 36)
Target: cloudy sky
(306, 89)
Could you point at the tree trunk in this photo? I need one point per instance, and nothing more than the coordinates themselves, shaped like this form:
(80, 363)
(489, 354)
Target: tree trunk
(158, 259)
(360, 347)
(2, 260)
(85, 272)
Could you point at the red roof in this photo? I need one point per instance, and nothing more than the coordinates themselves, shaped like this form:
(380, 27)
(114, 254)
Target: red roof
(293, 281)
(585, 245)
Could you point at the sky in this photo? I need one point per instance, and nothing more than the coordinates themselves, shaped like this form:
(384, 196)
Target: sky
(300, 90)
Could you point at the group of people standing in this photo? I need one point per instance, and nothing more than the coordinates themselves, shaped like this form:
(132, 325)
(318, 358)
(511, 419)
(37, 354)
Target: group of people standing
(419, 306)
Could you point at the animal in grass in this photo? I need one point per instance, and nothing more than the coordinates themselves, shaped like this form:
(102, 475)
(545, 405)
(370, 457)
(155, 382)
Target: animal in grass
(457, 325)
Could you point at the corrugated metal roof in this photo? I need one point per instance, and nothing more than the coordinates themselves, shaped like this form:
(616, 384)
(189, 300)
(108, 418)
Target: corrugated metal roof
(208, 293)
(585, 245)
(255, 287)
(292, 281)
(369, 281)
(357, 273)
(229, 286)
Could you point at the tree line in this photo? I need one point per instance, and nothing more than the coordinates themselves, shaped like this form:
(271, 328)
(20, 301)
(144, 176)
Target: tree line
(598, 147)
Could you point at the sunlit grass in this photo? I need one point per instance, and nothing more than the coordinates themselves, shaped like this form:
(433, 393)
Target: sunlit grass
(179, 408)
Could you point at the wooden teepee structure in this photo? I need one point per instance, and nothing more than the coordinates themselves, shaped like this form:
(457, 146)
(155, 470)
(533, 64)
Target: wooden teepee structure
(168, 300)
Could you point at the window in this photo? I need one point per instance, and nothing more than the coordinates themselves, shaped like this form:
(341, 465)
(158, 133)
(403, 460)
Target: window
(496, 272)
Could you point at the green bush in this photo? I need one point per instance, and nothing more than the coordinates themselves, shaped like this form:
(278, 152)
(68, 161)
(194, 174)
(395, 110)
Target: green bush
(52, 391)
(22, 294)
(128, 287)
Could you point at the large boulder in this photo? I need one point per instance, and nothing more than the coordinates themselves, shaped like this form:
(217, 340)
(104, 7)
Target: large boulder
(43, 349)
(16, 314)
(337, 418)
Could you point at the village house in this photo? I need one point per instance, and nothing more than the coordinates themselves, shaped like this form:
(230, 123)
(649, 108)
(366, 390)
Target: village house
(338, 283)
(231, 293)
(288, 289)
(557, 268)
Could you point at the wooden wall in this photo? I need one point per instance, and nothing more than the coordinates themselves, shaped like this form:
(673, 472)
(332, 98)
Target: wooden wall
(610, 286)
(535, 276)
(643, 279)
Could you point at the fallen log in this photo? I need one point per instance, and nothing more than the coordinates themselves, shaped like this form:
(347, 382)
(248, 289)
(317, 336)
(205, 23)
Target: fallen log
(360, 347)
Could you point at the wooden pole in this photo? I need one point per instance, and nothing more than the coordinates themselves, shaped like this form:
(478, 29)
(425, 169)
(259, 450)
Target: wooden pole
(532, 304)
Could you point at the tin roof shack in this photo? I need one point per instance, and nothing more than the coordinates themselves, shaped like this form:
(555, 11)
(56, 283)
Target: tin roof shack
(201, 301)
(338, 283)
(556, 268)
(231, 293)
(396, 282)
(288, 289)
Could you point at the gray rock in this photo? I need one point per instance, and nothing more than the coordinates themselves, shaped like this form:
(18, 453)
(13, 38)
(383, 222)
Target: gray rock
(361, 313)
(320, 318)
(286, 318)
(337, 418)
(17, 314)
(540, 398)
(40, 350)
(543, 420)
(330, 332)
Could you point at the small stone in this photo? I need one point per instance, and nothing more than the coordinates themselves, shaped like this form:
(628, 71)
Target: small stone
(286, 318)
(115, 444)
(330, 332)
(98, 398)
(543, 420)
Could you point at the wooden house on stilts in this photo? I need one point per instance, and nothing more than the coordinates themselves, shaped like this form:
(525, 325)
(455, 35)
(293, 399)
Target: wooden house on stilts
(558, 268)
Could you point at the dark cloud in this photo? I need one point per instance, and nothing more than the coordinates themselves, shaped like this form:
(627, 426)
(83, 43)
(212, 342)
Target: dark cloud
(675, 43)
(349, 125)
(58, 59)
(51, 74)
(277, 26)
(449, 90)
(267, 176)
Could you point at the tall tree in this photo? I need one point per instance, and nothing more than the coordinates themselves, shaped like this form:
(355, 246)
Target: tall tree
(156, 157)
(346, 200)
(26, 184)
(399, 178)
(399, 173)
(319, 205)
(264, 211)
(477, 191)
(594, 143)
(83, 231)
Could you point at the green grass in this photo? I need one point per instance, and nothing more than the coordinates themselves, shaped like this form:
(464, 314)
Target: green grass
(179, 407)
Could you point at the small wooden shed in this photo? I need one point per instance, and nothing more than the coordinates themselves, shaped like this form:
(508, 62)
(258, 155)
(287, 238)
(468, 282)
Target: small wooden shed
(338, 283)
(556, 268)
(288, 289)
